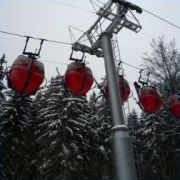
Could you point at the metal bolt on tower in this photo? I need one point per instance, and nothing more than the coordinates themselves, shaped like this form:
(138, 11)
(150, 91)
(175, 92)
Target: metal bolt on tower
(113, 16)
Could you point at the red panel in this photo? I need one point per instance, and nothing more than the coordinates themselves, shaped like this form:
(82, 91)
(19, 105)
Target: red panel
(175, 109)
(79, 81)
(20, 75)
(150, 103)
(125, 88)
(74, 81)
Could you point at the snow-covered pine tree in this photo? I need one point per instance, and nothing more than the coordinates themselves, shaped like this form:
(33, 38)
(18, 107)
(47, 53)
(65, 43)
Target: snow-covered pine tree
(33, 172)
(134, 127)
(2, 99)
(63, 133)
(133, 123)
(92, 171)
(49, 108)
(2, 75)
(156, 148)
(39, 103)
(78, 133)
(101, 123)
(16, 136)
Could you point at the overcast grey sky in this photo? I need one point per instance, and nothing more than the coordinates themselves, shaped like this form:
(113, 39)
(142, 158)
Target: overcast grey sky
(50, 20)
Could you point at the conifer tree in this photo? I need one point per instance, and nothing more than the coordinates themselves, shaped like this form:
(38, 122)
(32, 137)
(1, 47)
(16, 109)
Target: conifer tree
(2, 75)
(101, 148)
(133, 123)
(134, 128)
(2, 99)
(156, 148)
(15, 132)
(63, 132)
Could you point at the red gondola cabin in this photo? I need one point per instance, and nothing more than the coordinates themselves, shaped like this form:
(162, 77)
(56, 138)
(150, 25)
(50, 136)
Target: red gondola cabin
(78, 78)
(124, 88)
(149, 99)
(174, 102)
(26, 75)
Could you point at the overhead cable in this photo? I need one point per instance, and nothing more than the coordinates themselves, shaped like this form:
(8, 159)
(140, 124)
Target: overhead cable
(24, 36)
(64, 64)
(72, 6)
(131, 65)
(59, 42)
(172, 24)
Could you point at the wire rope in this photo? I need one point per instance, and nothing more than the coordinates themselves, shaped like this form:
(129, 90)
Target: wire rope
(72, 6)
(24, 36)
(162, 19)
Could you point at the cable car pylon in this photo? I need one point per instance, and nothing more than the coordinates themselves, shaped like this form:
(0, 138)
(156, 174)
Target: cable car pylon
(113, 16)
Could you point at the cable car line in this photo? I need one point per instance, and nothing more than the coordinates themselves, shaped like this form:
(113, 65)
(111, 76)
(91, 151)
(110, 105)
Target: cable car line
(59, 42)
(56, 62)
(131, 65)
(64, 64)
(25, 36)
(14, 34)
(72, 6)
(162, 19)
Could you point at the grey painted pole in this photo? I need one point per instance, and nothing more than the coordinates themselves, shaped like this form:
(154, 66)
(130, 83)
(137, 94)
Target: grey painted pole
(122, 148)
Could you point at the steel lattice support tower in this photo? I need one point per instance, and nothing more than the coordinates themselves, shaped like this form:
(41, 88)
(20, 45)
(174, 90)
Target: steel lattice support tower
(113, 17)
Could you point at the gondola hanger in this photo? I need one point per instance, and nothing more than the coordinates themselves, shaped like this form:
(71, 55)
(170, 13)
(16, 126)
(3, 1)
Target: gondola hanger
(79, 60)
(37, 52)
(140, 80)
(143, 82)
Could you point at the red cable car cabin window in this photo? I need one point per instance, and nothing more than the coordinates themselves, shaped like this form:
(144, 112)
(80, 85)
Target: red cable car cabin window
(124, 88)
(174, 102)
(26, 75)
(78, 78)
(149, 99)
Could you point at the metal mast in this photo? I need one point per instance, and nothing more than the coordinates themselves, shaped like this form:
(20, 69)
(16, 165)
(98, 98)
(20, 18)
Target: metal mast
(113, 16)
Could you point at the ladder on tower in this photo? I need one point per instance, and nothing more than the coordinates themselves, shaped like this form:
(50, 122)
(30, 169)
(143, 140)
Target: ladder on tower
(116, 51)
(118, 65)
